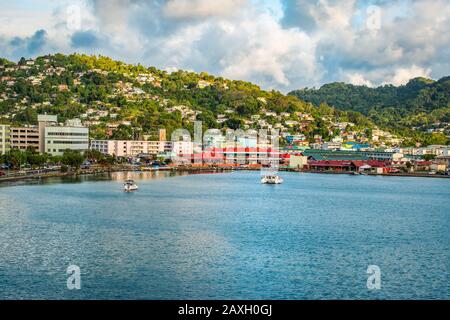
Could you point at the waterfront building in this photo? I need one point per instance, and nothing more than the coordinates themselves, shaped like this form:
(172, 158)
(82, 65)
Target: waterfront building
(444, 159)
(237, 156)
(319, 155)
(331, 165)
(352, 155)
(5, 145)
(213, 138)
(348, 166)
(43, 121)
(24, 138)
(55, 138)
(103, 146)
(131, 148)
(439, 165)
(297, 161)
(181, 148)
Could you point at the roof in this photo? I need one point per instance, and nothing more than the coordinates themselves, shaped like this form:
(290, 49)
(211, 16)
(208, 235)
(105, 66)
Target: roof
(371, 163)
(337, 157)
(347, 163)
(334, 155)
(424, 163)
(326, 163)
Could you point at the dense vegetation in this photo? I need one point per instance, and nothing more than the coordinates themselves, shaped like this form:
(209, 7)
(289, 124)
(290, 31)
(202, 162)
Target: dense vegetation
(420, 105)
(69, 86)
(16, 159)
(123, 101)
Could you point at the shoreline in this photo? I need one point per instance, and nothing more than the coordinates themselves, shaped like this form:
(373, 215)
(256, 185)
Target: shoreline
(416, 175)
(87, 172)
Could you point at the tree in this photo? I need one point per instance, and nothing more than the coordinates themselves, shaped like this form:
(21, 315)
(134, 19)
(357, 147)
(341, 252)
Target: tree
(94, 155)
(15, 158)
(234, 123)
(36, 159)
(123, 132)
(56, 159)
(72, 158)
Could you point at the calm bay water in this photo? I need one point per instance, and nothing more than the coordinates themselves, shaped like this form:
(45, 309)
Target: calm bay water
(226, 236)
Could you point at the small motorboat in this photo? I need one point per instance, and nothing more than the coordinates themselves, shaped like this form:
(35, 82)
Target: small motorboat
(271, 179)
(130, 185)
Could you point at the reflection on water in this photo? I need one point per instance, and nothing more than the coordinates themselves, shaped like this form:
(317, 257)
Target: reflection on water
(118, 176)
(226, 236)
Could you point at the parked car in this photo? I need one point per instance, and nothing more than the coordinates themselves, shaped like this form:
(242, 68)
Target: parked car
(2, 174)
(86, 165)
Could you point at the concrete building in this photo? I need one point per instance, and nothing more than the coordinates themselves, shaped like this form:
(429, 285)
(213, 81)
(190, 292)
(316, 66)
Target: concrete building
(435, 150)
(349, 155)
(297, 162)
(43, 121)
(162, 135)
(4, 139)
(23, 138)
(331, 145)
(182, 147)
(130, 148)
(55, 138)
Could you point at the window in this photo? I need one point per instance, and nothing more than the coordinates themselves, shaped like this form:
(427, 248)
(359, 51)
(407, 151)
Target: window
(69, 142)
(79, 134)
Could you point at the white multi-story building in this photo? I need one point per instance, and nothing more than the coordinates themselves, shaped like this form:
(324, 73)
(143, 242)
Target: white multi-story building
(331, 145)
(4, 139)
(131, 148)
(182, 147)
(55, 139)
(435, 150)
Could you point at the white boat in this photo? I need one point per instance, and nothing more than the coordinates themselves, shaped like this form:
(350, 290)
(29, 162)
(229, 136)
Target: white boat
(130, 185)
(271, 179)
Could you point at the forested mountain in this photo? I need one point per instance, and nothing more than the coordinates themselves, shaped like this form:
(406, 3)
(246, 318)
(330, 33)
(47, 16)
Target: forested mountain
(123, 101)
(420, 105)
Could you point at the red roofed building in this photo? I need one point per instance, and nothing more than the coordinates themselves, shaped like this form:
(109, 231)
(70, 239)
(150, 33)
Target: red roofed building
(348, 166)
(374, 166)
(331, 165)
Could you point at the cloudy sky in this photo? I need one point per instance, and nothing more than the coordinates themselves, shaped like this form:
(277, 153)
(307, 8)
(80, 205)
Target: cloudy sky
(277, 44)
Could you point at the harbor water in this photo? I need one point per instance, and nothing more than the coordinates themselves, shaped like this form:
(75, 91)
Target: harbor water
(226, 236)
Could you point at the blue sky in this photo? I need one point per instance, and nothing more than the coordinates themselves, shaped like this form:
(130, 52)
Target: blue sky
(277, 44)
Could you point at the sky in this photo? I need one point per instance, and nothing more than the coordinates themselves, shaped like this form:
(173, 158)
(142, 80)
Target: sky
(276, 44)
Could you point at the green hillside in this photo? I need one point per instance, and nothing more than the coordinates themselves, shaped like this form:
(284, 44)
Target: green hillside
(134, 100)
(123, 101)
(422, 105)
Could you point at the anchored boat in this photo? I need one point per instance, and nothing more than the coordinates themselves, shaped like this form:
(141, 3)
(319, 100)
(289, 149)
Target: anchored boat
(130, 185)
(271, 179)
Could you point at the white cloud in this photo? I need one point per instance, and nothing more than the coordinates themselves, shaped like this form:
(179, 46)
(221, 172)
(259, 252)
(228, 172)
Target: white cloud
(314, 42)
(403, 75)
(358, 79)
(183, 9)
(269, 52)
